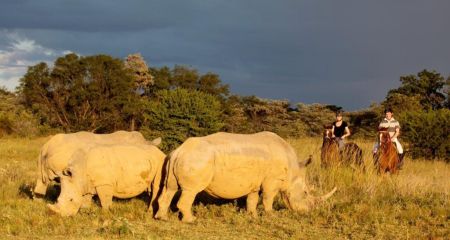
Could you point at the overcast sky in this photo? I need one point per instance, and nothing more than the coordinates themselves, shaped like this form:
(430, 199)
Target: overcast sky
(347, 52)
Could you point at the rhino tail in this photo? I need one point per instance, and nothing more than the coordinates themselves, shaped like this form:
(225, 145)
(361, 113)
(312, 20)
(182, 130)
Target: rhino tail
(170, 180)
(163, 179)
(156, 182)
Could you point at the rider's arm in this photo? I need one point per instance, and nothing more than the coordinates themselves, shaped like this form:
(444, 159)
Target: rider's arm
(397, 132)
(347, 133)
(332, 131)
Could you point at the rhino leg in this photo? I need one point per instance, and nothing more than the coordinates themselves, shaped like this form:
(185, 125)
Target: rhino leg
(163, 203)
(185, 205)
(87, 201)
(270, 189)
(105, 194)
(268, 197)
(168, 191)
(40, 188)
(252, 202)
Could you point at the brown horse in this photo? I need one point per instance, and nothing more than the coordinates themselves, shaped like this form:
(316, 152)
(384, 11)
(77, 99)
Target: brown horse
(330, 154)
(386, 158)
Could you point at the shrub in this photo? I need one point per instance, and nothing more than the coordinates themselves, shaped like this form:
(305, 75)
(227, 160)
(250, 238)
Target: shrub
(14, 118)
(428, 132)
(316, 116)
(178, 114)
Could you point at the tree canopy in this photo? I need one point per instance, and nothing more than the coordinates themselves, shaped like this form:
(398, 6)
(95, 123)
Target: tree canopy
(188, 78)
(94, 93)
(427, 86)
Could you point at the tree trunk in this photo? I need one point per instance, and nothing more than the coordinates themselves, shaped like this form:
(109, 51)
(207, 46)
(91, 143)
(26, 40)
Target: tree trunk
(132, 125)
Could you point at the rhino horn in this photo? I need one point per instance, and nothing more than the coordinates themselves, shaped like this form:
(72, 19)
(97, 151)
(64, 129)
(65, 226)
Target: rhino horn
(54, 208)
(328, 195)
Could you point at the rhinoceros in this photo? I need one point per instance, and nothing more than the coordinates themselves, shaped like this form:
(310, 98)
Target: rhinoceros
(122, 171)
(55, 153)
(230, 166)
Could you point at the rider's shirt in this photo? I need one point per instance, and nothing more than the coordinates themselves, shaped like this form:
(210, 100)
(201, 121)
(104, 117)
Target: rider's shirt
(391, 125)
(339, 131)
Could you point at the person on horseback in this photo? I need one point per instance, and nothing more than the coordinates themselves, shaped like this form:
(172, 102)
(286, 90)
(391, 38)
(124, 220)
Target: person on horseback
(340, 130)
(393, 127)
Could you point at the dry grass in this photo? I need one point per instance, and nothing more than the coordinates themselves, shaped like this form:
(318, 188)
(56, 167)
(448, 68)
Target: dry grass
(414, 204)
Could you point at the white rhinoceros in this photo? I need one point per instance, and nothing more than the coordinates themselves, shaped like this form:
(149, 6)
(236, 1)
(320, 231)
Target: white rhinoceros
(56, 152)
(122, 171)
(230, 166)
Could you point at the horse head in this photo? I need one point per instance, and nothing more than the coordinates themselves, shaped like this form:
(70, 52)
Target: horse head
(385, 138)
(327, 131)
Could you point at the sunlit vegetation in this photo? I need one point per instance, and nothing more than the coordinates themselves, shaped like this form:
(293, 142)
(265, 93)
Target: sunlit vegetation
(414, 204)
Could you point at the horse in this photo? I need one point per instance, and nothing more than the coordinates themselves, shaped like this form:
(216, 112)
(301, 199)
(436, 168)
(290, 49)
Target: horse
(386, 158)
(331, 155)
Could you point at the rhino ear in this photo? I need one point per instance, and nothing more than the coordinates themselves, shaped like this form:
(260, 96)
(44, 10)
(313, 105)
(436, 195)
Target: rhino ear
(306, 162)
(156, 141)
(67, 172)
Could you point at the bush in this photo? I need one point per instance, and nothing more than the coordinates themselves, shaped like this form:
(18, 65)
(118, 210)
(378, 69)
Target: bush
(316, 116)
(14, 118)
(253, 114)
(176, 115)
(428, 133)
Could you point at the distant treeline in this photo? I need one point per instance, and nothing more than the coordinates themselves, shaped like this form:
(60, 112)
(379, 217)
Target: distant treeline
(103, 94)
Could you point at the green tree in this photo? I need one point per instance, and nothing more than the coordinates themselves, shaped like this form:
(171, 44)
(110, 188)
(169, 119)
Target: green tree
(252, 114)
(162, 79)
(400, 103)
(14, 118)
(188, 78)
(316, 116)
(364, 123)
(427, 85)
(428, 132)
(94, 93)
(178, 114)
(211, 83)
(447, 91)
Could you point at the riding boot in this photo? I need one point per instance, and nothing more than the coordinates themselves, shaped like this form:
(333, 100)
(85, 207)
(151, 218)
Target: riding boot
(400, 163)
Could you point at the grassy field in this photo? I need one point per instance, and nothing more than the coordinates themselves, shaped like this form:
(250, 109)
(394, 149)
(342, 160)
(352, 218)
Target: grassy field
(414, 204)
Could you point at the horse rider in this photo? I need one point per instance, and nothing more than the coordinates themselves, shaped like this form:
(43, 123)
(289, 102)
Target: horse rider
(393, 128)
(340, 130)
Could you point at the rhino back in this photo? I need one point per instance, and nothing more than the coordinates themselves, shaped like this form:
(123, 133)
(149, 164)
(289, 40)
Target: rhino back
(61, 146)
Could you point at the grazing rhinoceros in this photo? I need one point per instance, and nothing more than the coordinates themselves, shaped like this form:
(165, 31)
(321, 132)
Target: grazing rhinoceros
(230, 166)
(55, 154)
(121, 171)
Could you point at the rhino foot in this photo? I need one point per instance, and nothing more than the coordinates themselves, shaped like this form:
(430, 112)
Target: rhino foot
(254, 214)
(161, 217)
(190, 219)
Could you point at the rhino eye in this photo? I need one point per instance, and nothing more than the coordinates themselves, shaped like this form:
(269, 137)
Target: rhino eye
(67, 172)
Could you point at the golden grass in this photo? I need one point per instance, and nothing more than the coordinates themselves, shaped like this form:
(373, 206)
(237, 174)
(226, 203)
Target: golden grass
(414, 204)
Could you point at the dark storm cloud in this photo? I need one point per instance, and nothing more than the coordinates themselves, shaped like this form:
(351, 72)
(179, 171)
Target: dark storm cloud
(90, 16)
(347, 52)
